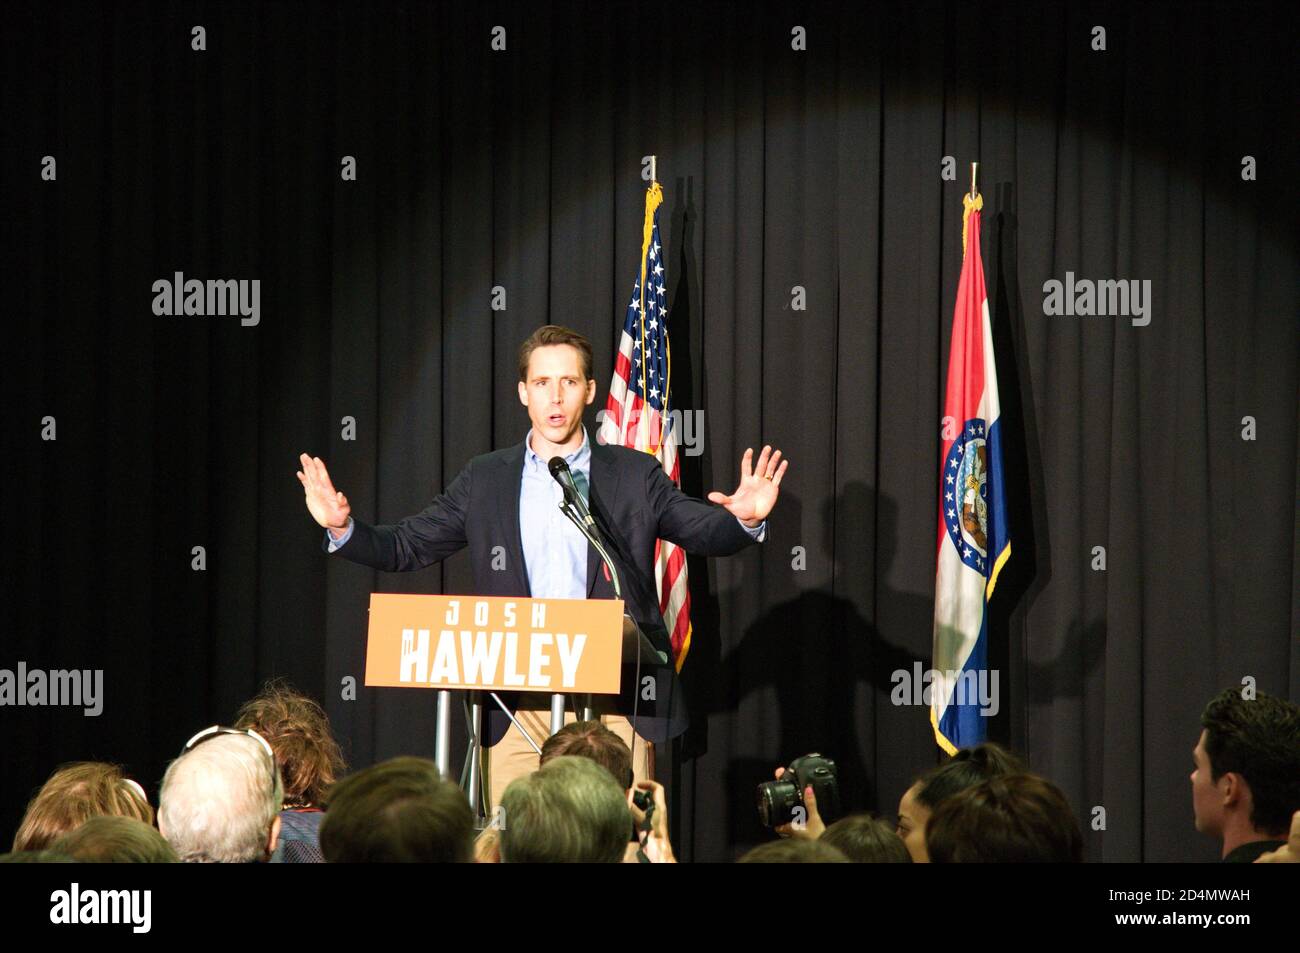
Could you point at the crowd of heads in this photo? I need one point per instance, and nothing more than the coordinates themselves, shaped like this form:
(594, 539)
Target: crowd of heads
(274, 788)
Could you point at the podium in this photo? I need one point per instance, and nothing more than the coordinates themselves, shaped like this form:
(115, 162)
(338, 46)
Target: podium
(479, 646)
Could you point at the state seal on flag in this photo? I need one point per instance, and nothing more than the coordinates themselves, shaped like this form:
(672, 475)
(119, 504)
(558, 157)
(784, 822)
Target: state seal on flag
(965, 495)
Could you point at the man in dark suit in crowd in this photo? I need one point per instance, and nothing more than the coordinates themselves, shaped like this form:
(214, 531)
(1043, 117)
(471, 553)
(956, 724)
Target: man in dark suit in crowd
(506, 502)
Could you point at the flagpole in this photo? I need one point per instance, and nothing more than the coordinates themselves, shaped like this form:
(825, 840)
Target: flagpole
(654, 177)
(972, 202)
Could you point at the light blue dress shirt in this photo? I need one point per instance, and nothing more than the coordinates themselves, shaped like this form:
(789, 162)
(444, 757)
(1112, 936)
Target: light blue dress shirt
(555, 552)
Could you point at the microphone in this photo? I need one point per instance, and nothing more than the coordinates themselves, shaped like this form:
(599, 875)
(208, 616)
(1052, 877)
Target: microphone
(576, 510)
(563, 476)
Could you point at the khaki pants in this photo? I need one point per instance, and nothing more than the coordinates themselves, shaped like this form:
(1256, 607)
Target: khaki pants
(513, 757)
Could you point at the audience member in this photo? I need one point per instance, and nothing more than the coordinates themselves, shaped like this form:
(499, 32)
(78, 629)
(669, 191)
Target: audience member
(115, 840)
(310, 760)
(591, 739)
(1246, 783)
(571, 810)
(796, 850)
(75, 793)
(221, 798)
(1015, 819)
(967, 768)
(865, 839)
(398, 811)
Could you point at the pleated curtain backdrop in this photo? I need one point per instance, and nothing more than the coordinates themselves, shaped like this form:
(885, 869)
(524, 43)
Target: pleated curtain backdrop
(788, 174)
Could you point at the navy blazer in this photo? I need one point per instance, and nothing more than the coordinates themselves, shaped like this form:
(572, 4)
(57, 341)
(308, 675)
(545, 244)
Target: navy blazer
(633, 502)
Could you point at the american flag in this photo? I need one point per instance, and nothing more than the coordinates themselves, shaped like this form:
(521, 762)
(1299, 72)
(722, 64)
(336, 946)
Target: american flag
(637, 415)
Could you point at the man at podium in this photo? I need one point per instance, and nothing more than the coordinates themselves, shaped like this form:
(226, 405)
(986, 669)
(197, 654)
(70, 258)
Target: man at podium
(507, 501)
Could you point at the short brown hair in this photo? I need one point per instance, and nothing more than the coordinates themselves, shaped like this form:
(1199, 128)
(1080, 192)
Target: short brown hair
(570, 810)
(592, 740)
(73, 794)
(115, 840)
(548, 335)
(1019, 818)
(298, 731)
(865, 839)
(398, 811)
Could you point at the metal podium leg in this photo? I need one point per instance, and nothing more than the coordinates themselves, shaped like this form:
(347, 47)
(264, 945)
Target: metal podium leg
(557, 713)
(442, 734)
(588, 709)
(475, 754)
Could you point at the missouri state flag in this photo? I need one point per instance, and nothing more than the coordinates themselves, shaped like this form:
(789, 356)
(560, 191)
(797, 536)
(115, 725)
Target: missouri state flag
(973, 540)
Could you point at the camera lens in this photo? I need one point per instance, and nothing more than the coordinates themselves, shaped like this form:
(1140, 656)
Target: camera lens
(776, 802)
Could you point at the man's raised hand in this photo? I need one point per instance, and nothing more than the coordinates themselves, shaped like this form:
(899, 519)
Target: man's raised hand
(327, 505)
(759, 487)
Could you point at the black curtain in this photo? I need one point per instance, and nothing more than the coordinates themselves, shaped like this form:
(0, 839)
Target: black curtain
(818, 169)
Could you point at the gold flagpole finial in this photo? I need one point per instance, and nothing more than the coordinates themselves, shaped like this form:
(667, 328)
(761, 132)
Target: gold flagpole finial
(972, 202)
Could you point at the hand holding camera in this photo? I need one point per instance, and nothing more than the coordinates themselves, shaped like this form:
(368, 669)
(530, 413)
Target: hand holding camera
(649, 810)
(801, 799)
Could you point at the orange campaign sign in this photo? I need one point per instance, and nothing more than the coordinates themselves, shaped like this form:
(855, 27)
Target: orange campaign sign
(495, 642)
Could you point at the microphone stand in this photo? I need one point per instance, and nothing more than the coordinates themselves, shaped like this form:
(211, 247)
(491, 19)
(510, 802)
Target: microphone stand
(585, 529)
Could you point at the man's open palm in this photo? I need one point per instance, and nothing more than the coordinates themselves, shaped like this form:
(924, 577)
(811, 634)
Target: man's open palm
(328, 506)
(759, 486)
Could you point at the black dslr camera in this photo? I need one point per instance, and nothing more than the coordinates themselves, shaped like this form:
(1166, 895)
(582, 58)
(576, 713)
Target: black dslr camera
(777, 800)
